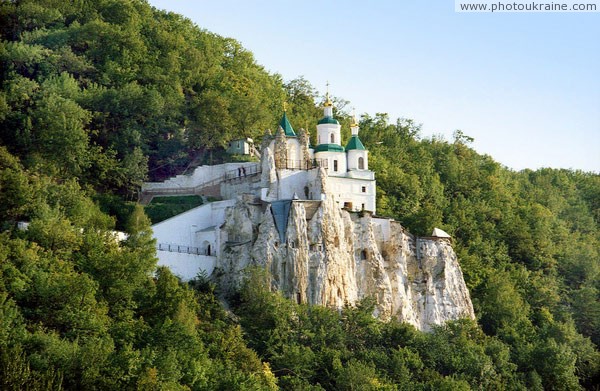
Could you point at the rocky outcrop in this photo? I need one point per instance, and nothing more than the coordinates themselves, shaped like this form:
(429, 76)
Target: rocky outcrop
(317, 253)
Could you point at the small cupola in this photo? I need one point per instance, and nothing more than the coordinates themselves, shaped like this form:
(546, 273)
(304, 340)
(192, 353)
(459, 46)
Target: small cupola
(354, 142)
(328, 112)
(358, 158)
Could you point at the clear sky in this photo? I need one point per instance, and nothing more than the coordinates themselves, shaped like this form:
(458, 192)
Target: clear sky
(525, 86)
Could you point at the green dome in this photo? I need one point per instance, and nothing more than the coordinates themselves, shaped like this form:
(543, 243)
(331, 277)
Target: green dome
(328, 120)
(355, 143)
(329, 148)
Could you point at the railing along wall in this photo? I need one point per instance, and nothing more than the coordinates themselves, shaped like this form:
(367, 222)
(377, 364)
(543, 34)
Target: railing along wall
(229, 175)
(237, 173)
(291, 164)
(176, 248)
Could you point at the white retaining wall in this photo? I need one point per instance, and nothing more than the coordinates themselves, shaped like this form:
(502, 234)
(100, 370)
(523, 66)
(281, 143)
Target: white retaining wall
(192, 231)
(186, 266)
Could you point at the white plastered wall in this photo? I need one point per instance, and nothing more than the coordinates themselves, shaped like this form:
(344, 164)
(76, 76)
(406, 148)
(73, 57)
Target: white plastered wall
(180, 239)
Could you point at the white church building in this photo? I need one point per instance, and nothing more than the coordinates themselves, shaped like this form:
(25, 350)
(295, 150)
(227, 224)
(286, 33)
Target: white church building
(351, 183)
(290, 170)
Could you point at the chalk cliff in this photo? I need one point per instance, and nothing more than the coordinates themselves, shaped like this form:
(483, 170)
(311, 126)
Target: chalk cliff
(320, 254)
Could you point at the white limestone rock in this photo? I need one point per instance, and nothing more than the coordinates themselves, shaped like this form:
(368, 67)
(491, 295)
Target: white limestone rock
(268, 174)
(335, 257)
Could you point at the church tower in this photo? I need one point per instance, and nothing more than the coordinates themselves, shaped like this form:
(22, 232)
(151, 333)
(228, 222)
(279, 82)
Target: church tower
(290, 150)
(328, 128)
(329, 142)
(357, 154)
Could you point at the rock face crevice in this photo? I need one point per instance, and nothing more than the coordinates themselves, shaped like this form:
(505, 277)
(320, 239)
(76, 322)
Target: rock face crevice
(332, 257)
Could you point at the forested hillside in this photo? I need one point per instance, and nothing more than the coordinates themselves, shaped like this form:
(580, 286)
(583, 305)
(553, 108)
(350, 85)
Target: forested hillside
(97, 96)
(139, 90)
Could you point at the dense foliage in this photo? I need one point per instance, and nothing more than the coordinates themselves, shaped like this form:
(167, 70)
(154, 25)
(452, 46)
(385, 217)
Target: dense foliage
(96, 96)
(111, 91)
(528, 242)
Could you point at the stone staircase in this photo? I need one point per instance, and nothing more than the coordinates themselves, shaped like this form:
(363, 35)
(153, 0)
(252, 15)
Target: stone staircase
(211, 188)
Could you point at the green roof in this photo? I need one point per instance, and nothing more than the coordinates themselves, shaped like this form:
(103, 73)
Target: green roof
(328, 120)
(355, 143)
(329, 148)
(286, 126)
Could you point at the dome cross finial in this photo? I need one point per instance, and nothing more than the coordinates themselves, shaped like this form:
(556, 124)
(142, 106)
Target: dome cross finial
(327, 100)
(354, 121)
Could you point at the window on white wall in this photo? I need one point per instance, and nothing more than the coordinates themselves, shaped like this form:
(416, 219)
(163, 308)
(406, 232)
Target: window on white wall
(332, 138)
(335, 165)
(361, 163)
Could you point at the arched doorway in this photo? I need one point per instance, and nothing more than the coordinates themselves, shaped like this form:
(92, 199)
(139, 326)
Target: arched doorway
(207, 248)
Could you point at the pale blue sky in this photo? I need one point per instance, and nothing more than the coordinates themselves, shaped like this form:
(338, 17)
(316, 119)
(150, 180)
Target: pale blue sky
(526, 86)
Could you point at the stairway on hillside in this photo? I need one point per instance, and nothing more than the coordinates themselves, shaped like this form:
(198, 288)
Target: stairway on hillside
(210, 188)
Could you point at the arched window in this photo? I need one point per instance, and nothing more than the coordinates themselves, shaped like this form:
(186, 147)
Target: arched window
(361, 163)
(332, 138)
